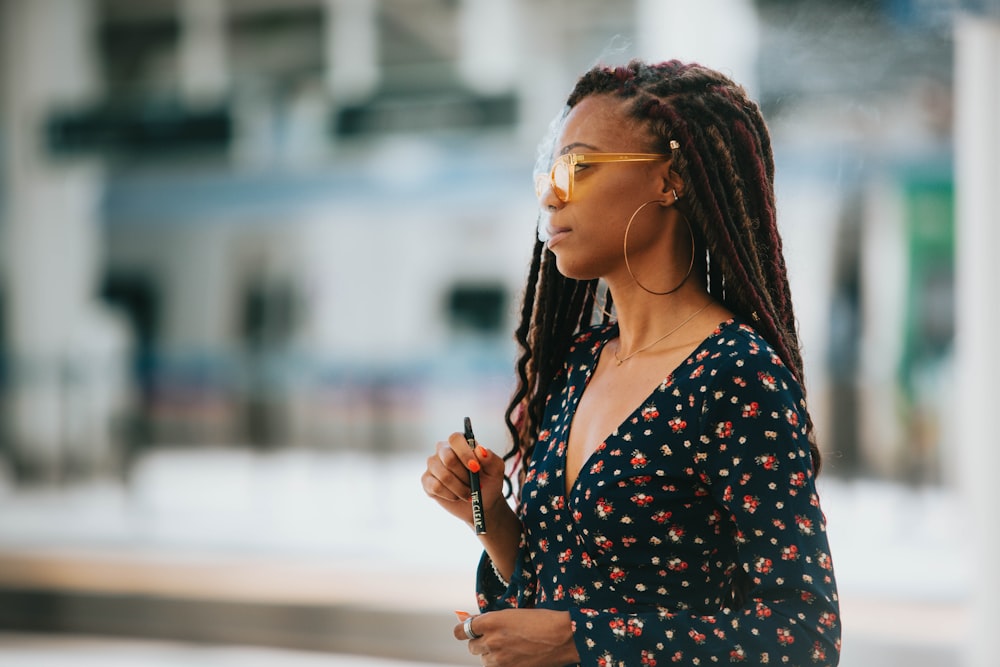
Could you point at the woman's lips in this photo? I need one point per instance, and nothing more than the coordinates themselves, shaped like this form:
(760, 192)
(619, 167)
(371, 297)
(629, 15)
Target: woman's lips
(556, 234)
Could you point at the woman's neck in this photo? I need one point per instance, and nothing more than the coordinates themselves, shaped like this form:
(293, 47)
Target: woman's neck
(644, 317)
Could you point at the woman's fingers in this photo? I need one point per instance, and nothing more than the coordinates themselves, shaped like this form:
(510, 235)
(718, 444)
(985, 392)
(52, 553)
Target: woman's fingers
(446, 477)
(447, 481)
(491, 466)
(460, 448)
(468, 621)
(521, 637)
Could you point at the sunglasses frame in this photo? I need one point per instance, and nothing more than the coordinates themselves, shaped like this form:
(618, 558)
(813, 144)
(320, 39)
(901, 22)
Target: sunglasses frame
(568, 161)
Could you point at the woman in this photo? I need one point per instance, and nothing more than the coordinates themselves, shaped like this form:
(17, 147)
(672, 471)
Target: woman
(677, 520)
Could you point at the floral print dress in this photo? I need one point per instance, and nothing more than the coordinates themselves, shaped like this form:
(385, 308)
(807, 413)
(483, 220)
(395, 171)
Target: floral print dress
(708, 481)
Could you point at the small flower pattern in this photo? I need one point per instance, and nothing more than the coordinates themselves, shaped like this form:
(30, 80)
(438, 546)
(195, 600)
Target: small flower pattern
(709, 479)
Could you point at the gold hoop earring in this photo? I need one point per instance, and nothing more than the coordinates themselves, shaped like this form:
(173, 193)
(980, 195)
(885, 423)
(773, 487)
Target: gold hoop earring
(628, 266)
(607, 302)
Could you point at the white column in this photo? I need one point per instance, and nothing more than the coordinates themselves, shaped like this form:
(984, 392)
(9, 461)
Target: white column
(202, 53)
(549, 76)
(486, 34)
(977, 178)
(51, 240)
(721, 34)
(351, 48)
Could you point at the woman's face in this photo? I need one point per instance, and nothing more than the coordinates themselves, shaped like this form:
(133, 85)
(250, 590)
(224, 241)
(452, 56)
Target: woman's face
(586, 233)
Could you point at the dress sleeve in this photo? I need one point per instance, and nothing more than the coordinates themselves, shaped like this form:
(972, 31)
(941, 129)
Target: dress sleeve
(754, 461)
(492, 593)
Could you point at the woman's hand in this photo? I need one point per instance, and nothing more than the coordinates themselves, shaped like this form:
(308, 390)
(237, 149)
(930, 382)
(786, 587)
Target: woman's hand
(522, 638)
(446, 478)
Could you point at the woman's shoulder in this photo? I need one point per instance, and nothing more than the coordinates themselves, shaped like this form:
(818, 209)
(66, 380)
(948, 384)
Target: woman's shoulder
(742, 364)
(737, 347)
(736, 339)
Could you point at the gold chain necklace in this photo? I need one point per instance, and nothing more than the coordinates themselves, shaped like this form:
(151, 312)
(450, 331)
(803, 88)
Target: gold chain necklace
(622, 360)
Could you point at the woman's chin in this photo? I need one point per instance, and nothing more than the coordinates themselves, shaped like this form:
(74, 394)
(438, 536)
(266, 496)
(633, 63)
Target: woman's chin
(575, 270)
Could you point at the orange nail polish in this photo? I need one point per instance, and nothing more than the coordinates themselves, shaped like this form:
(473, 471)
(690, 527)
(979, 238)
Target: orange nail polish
(462, 615)
(482, 452)
(474, 465)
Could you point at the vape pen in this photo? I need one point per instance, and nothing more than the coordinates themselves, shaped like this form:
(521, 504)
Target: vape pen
(478, 518)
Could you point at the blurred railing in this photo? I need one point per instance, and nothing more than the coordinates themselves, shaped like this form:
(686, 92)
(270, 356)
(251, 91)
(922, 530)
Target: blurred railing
(64, 419)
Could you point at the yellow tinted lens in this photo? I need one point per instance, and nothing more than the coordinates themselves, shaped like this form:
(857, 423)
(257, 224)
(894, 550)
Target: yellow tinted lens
(541, 182)
(562, 177)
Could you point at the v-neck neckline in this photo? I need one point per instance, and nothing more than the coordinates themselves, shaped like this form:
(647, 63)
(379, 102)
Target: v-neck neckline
(595, 356)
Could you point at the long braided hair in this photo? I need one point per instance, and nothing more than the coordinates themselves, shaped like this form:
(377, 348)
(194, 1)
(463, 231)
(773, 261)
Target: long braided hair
(727, 168)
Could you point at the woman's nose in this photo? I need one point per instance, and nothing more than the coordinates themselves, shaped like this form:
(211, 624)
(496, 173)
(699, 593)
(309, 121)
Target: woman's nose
(547, 198)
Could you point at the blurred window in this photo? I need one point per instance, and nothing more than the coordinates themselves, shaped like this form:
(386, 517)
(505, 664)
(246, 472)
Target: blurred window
(278, 46)
(478, 309)
(418, 44)
(138, 53)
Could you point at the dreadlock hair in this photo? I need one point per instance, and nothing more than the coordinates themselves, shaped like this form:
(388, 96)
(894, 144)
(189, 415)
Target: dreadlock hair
(727, 167)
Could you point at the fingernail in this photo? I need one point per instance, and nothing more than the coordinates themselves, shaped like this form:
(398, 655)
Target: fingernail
(482, 452)
(474, 465)
(462, 615)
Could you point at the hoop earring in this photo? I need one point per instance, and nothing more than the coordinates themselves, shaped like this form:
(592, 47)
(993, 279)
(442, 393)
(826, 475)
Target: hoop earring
(607, 302)
(628, 267)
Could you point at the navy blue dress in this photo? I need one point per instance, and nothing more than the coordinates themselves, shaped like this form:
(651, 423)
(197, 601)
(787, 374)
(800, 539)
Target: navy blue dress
(709, 475)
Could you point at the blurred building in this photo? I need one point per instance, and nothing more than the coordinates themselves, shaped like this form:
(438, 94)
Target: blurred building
(306, 222)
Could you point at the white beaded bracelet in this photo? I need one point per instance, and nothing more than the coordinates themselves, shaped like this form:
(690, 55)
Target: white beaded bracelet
(497, 573)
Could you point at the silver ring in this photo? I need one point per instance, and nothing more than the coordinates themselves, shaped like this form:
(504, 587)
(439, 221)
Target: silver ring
(467, 626)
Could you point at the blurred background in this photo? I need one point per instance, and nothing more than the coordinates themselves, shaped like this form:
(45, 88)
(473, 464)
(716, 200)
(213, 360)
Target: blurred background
(258, 256)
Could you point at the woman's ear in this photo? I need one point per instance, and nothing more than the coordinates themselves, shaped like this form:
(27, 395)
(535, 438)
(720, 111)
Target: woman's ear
(671, 183)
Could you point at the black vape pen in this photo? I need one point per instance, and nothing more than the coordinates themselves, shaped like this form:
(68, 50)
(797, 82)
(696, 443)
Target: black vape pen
(478, 517)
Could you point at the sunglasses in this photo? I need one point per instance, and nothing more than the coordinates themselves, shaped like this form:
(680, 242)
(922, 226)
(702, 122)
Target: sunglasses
(561, 177)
